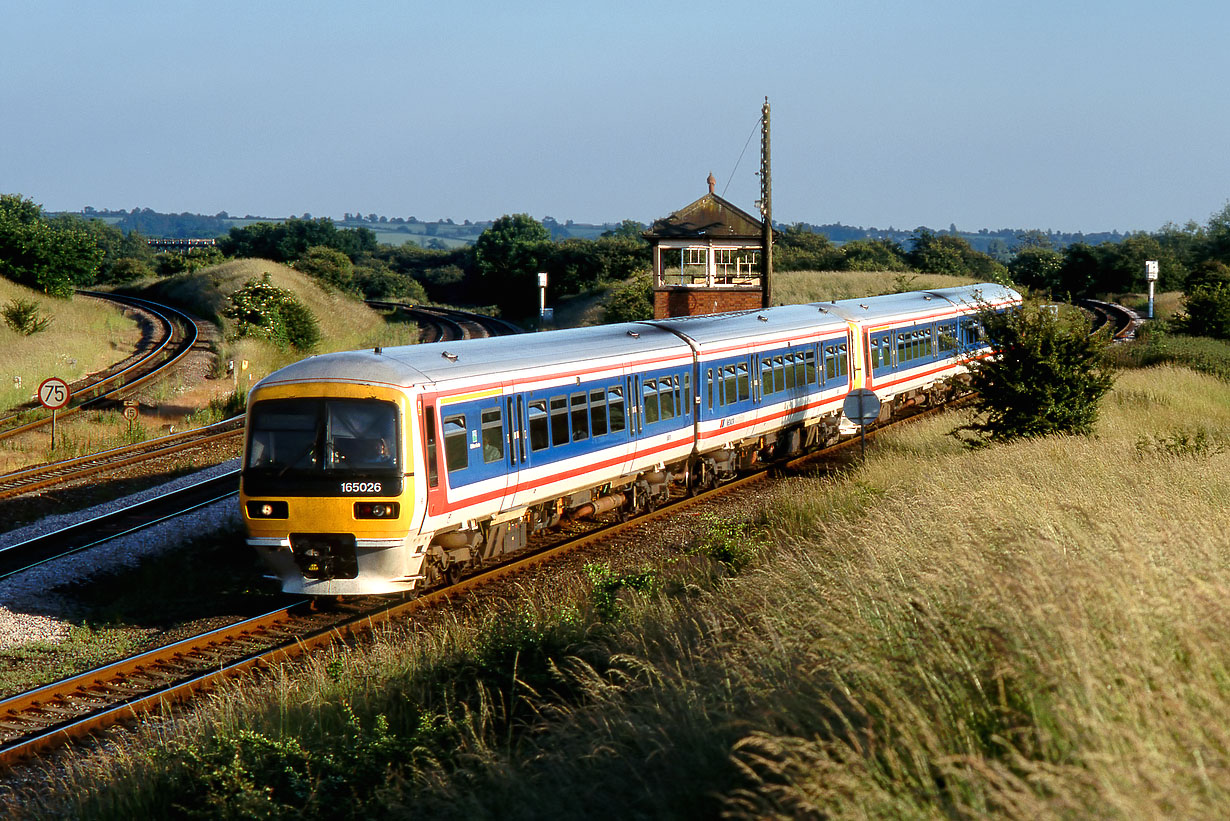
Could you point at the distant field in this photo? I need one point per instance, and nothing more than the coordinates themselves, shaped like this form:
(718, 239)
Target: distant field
(793, 287)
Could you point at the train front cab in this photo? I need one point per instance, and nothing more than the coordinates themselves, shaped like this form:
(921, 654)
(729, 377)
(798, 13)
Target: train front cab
(327, 493)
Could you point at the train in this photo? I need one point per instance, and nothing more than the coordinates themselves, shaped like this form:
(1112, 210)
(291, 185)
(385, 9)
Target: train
(391, 470)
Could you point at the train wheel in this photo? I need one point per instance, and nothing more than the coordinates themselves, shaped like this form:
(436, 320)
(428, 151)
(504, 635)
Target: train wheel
(452, 574)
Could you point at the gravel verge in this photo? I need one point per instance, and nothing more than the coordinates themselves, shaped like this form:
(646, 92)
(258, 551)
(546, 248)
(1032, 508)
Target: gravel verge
(31, 610)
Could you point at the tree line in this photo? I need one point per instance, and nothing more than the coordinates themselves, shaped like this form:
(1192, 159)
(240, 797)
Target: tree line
(56, 254)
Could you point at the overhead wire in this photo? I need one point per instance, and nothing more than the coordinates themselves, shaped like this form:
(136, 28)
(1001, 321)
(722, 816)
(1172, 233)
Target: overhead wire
(741, 153)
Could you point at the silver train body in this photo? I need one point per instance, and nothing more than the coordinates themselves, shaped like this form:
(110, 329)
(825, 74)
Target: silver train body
(384, 471)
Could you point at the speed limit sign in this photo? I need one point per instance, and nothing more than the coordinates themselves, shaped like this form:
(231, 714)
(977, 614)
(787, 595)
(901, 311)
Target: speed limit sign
(53, 393)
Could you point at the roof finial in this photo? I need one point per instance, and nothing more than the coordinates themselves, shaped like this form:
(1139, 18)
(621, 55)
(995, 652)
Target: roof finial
(712, 182)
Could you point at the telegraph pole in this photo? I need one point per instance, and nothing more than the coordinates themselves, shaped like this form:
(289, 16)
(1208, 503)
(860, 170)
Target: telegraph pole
(766, 210)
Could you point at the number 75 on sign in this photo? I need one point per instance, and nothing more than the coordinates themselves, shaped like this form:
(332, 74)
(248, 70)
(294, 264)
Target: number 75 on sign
(53, 393)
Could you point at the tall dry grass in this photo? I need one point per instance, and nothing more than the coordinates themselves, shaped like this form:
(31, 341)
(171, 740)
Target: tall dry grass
(1035, 630)
(85, 335)
(792, 287)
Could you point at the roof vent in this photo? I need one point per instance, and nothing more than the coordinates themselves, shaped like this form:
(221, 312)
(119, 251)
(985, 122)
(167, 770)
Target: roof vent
(634, 334)
(451, 357)
(861, 305)
(762, 317)
(927, 297)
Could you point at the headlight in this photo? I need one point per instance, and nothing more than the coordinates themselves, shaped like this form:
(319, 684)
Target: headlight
(267, 510)
(376, 510)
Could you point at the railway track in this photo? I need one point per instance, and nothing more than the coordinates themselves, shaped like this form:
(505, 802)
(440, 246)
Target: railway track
(1122, 321)
(74, 708)
(84, 535)
(178, 333)
(448, 324)
(39, 477)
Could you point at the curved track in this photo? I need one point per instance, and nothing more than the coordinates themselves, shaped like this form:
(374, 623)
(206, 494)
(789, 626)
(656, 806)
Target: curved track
(448, 324)
(178, 334)
(1122, 321)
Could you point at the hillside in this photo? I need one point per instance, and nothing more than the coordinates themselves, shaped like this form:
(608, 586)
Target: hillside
(345, 321)
(85, 335)
(88, 335)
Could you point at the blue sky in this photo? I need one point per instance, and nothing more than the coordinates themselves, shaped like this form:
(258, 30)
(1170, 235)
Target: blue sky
(1075, 116)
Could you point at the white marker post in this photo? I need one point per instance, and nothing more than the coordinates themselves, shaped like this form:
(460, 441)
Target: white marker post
(53, 394)
(1151, 269)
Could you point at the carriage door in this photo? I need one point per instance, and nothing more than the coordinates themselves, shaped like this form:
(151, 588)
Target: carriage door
(517, 458)
(432, 452)
(634, 418)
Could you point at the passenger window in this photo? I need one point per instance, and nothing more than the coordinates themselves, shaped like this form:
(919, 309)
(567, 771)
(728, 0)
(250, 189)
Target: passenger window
(730, 393)
(667, 396)
(580, 417)
(744, 386)
(948, 338)
(559, 420)
(709, 387)
(800, 376)
(597, 412)
(540, 436)
(766, 377)
(810, 360)
(842, 359)
(493, 436)
(455, 453)
(687, 395)
(779, 375)
(649, 394)
(615, 403)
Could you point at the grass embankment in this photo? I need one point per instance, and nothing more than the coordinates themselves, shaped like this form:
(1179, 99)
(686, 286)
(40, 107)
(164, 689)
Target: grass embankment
(1033, 630)
(84, 336)
(89, 333)
(346, 323)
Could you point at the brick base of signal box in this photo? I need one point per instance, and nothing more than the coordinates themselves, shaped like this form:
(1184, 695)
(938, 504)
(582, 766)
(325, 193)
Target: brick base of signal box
(670, 302)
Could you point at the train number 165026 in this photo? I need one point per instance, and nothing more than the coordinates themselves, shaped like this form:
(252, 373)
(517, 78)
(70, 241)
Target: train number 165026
(360, 487)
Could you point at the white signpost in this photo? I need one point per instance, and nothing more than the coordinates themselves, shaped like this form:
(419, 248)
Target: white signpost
(53, 394)
(1151, 270)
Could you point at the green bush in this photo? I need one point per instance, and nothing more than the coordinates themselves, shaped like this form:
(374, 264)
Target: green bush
(263, 310)
(25, 317)
(606, 587)
(630, 301)
(729, 543)
(1207, 311)
(1154, 346)
(1049, 377)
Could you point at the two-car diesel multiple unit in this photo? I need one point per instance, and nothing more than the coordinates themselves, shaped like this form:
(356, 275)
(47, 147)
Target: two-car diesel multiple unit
(383, 471)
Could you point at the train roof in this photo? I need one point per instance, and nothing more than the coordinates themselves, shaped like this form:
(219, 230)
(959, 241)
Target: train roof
(778, 322)
(893, 307)
(467, 359)
(464, 359)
